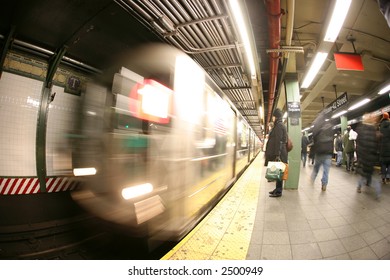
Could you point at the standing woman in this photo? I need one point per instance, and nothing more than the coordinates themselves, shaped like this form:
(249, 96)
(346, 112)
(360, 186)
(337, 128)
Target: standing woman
(276, 148)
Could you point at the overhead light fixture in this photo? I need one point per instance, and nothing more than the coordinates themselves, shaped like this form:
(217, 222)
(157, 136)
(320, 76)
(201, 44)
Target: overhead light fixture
(336, 22)
(339, 114)
(261, 111)
(384, 90)
(359, 104)
(236, 10)
(314, 68)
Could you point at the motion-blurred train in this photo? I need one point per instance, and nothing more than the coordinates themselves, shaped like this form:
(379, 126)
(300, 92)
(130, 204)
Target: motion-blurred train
(158, 149)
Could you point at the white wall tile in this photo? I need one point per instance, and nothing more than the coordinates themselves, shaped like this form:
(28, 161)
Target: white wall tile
(19, 103)
(62, 118)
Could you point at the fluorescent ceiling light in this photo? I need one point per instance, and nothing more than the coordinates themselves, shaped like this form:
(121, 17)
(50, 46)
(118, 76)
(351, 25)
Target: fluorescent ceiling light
(385, 89)
(336, 22)
(261, 111)
(359, 104)
(314, 68)
(339, 114)
(235, 8)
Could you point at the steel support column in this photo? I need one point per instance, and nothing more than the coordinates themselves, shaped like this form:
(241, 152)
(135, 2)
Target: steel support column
(294, 131)
(42, 117)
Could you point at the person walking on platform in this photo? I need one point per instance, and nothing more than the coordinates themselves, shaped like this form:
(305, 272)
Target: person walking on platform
(323, 147)
(304, 143)
(338, 146)
(367, 145)
(349, 147)
(384, 151)
(276, 148)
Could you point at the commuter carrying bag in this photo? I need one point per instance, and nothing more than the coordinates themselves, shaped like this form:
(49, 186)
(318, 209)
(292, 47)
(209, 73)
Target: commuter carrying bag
(275, 171)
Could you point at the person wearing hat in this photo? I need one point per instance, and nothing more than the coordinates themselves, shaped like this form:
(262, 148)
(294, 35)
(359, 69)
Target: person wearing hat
(384, 148)
(276, 147)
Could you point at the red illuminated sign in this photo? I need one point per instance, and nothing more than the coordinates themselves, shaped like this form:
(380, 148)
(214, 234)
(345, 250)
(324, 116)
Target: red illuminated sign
(348, 61)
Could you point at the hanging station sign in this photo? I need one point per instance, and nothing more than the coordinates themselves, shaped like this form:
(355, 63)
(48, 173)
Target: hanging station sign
(339, 102)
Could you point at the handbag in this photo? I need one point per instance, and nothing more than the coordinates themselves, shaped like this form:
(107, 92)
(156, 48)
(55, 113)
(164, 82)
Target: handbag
(275, 171)
(289, 144)
(285, 173)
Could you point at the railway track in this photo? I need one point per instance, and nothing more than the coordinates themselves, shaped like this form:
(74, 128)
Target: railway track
(76, 238)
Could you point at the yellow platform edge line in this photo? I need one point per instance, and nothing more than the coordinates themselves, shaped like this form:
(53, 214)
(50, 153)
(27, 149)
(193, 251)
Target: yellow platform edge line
(178, 246)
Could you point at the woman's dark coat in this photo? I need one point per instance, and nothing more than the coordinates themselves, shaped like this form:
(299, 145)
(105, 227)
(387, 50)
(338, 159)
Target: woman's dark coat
(384, 153)
(366, 149)
(277, 139)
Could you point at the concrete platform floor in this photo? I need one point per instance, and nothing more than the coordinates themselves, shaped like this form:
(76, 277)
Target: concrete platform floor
(303, 224)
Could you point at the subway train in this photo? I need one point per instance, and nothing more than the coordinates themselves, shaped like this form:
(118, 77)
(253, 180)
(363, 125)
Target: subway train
(160, 146)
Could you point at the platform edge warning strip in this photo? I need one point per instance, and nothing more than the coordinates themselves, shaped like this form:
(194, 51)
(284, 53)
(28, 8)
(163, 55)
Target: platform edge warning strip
(252, 171)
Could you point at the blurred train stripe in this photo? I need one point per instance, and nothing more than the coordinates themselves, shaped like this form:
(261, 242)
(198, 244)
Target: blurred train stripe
(14, 186)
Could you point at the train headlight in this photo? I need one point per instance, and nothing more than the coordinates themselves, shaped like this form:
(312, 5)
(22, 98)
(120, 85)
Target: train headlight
(135, 191)
(84, 171)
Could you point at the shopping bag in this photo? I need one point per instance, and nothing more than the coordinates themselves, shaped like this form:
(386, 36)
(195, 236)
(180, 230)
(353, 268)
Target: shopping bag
(275, 170)
(285, 173)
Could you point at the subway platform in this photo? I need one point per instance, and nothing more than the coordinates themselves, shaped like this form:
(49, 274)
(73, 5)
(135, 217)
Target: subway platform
(303, 224)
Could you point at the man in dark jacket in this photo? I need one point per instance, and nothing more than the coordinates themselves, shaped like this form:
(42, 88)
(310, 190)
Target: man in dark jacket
(276, 147)
(367, 153)
(384, 152)
(323, 147)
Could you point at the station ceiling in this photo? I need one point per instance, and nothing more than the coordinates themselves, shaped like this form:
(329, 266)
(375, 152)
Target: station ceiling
(93, 30)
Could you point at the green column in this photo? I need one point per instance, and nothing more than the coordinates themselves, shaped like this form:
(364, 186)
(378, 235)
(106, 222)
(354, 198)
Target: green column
(343, 124)
(294, 127)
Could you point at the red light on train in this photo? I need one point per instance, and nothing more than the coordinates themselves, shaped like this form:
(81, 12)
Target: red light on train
(151, 101)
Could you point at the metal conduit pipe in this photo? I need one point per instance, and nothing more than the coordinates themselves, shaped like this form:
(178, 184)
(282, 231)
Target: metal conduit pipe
(31, 48)
(289, 33)
(183, 39)
(199, 28)
(194, 37)
(205, 35)
(274, 14)
(178, 14)
(210, 30)
(290, 21)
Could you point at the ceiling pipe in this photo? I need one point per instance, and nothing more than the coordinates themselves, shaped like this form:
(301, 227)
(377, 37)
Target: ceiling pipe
(274, 26)
(290, 21)
(289, 35)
